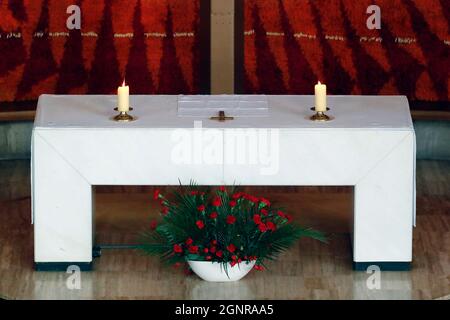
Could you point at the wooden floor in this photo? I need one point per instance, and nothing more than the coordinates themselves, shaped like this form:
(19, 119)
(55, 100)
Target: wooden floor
(311, 270)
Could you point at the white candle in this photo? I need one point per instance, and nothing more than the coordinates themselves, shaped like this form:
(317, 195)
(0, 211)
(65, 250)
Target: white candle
(321, 97)
(123, 97)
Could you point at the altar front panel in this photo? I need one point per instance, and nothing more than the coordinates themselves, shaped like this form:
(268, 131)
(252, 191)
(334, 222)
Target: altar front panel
(316, 157)
(140, 156)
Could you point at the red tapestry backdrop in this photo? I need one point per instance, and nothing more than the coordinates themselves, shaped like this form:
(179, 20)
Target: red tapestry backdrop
(290, 44)
(154, 44)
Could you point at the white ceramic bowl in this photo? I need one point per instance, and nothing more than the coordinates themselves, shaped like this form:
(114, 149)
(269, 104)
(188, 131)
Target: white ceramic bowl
(215, 272)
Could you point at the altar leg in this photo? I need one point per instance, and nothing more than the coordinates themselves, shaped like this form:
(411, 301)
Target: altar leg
(384, 211)
(62, 211)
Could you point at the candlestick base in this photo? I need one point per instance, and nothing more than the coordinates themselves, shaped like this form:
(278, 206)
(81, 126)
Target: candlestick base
(123, 116)
(320, 116)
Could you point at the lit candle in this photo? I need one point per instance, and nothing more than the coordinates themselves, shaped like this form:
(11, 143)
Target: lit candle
(123, 96)
(321, 97)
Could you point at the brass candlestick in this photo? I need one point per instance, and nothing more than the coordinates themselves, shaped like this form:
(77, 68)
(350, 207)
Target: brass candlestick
(123, 116)
(320, 116)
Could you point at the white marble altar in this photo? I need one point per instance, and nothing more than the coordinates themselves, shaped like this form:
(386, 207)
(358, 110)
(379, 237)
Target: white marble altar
(369, 145)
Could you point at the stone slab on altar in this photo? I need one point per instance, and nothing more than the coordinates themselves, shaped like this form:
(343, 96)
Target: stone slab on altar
(161, 111)
(232, 105)
(369, 145)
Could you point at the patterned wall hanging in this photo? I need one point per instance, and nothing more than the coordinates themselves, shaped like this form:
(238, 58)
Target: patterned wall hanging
(290, 44)
(155, 44)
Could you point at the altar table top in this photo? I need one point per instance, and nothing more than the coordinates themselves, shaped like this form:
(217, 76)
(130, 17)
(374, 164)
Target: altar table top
(285, 112)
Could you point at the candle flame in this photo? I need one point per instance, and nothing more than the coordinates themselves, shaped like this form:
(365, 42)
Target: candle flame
(320, 82)
(123, 84)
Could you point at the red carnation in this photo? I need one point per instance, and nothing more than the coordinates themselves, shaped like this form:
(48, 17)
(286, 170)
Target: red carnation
(264, 212)
(265, 201)
(257, 218)
(156, 194)
(262, 227)
(288, 217)
(222, 188)
(200, 224)
(236, 196)
(208, 257)
(216, 202)
(212, 249)
(165, 210)
(233, 263)
(233, 203)
(231, 247)
(213, 215)
(193, 249)
(189, 241)
(214, 242)
(205, 250)
(153, 225)
(177, 248)
(194, 193)
(271, 226)
(258, 267)
(280, 213)
(201, 208)
(231, 219)
(234, 257)
(219, 253)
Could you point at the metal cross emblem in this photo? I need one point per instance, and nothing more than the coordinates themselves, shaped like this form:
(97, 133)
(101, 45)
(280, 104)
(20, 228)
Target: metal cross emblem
(222, 117)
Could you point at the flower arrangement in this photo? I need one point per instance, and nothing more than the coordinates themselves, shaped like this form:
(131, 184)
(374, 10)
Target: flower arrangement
(220, 225)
